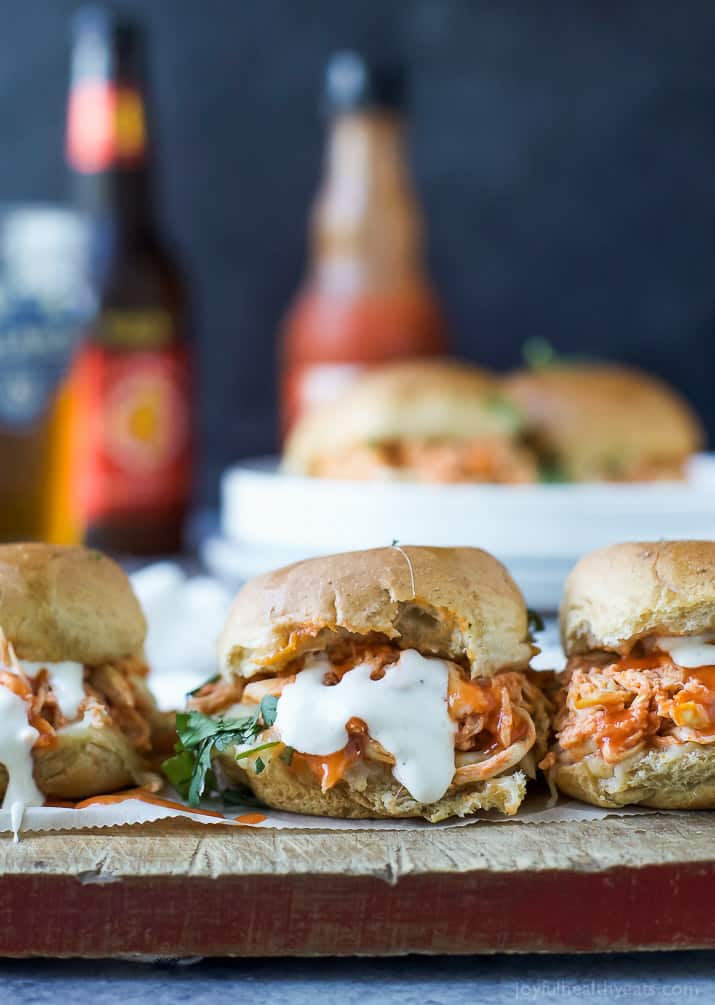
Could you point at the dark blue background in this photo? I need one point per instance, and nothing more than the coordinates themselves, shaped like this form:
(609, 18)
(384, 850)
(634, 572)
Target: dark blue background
(564, 152)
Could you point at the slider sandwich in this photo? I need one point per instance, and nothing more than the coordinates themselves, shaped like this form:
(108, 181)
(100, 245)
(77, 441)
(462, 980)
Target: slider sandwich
(635, 718)
(75, 714)
(385, 683)
(421, 420)
(600, 422)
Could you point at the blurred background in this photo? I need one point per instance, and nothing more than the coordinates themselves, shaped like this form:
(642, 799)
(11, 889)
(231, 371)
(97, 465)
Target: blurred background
(563, 154)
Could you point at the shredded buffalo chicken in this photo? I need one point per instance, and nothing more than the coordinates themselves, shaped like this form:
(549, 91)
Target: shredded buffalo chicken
(494, 716)
(619, 708)
(112, 689)
(493, 459)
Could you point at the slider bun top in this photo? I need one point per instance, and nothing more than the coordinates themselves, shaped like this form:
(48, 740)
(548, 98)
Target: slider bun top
(599, 420)
(465, 606)
(411, 400)
(61, 603)
(617, 595)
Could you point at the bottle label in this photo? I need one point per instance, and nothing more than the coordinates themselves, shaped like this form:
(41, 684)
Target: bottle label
(105, 126)
(131, 430)
(35, 349)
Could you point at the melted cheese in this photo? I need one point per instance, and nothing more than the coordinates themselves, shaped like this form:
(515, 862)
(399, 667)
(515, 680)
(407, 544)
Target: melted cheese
(405, 711)
(17, 738)
(689, 651)
(67, 680)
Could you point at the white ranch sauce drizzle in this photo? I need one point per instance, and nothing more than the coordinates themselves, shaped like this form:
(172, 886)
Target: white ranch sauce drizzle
(689, 651)
(405, 711)
(17, 738)
(67, 680)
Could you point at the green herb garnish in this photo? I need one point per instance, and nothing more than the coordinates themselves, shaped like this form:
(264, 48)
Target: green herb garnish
(189, 770)
(211, 680)
(535, 621)
(538, 353)
(552, 472)
(241, 795)
(286, 755)
(505, 409)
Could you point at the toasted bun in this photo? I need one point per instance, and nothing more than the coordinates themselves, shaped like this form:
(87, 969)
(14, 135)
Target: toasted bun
(418, 399)
(616, 595)
(67, 604)
(457, 603)
(85, 762)
(681, 777)
(600, 422)
(379, 796)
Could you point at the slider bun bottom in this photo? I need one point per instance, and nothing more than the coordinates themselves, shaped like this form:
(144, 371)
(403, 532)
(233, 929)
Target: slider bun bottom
(85, 763)
(679, 778)
(381, 797)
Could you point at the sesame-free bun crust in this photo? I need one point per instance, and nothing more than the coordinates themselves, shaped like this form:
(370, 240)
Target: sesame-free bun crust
(606, 422)
(455, 603)
(617, 595)
(87, 762)
(681, 777)
(67, 604)
(413, 400)
(378, 796)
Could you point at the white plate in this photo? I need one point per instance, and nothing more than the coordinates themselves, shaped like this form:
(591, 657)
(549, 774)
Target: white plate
(538, 531)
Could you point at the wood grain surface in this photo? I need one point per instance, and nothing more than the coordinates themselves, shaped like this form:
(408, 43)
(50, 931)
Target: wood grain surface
(175, 889)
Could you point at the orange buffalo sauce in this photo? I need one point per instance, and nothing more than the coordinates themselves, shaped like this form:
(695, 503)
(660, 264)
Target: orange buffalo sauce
(618, 729)
(330, 768)
(467, 697)
(464, 698)
(706, 677)
(147, 797)
(22, 688)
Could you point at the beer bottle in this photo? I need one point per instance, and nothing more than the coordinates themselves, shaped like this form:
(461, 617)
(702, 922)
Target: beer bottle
(366, 298)
(43, 303)
(128, 414)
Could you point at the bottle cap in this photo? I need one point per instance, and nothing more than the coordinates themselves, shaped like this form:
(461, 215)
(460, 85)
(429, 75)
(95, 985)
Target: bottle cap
(351, 82)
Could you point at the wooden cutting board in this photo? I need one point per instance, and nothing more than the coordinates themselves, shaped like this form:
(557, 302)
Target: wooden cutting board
(176, 889)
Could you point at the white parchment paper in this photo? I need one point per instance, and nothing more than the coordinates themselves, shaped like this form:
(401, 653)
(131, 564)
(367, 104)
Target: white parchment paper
(130, 811)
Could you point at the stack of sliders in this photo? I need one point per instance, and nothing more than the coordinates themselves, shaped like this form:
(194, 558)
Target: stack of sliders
(392, 682)
(635, 718)
(447, 421)
(77, 717)
(600, 422)
(421, 420)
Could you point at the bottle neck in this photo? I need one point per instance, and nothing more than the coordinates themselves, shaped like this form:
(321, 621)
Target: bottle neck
(120, 200)
(366, 231)
(107, 139)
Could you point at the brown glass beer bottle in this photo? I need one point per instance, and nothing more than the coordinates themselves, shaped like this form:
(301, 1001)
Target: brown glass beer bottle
(128, 399)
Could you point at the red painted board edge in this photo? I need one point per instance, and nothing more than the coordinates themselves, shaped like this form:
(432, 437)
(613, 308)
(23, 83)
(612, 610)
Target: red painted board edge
(655, 907)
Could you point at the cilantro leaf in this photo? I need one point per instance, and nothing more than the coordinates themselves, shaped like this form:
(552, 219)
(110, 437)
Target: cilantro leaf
(201, 768)
(535, 621)
(269, 709)
(241, 795)
(178, 770)
(552, 472)
(211, 680)
(254, 750)
(200, 735)
(260, 765)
